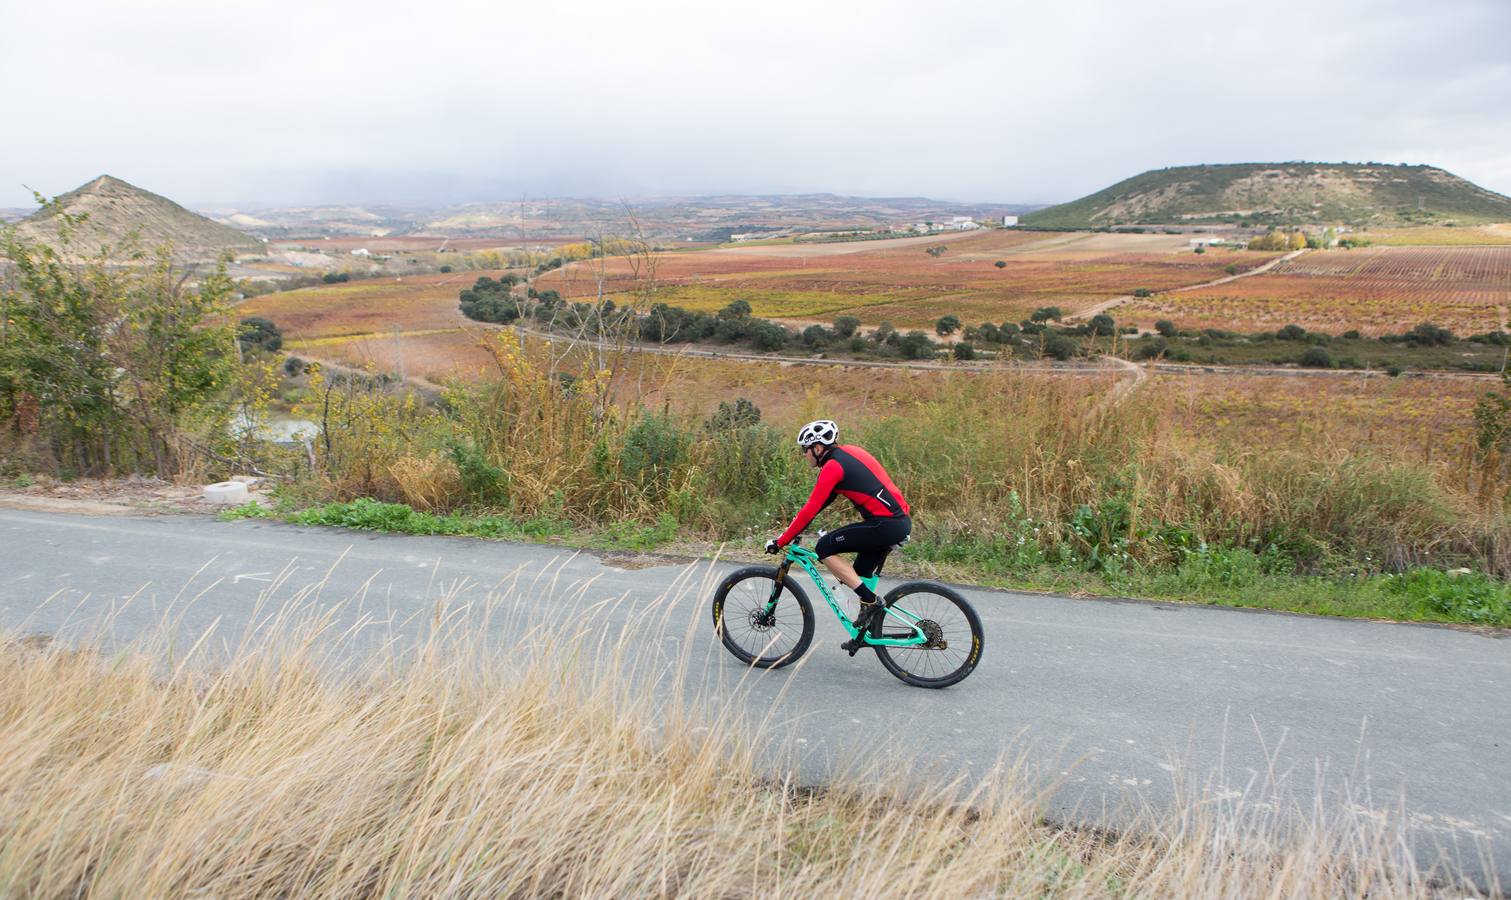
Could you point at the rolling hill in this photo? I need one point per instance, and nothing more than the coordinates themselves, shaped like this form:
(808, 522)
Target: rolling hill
(1295, 193)
(117, 209)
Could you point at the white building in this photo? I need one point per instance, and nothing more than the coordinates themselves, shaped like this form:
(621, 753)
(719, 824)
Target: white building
(1206, 241)
(361, 251)
(962, 223)
(1009, 221)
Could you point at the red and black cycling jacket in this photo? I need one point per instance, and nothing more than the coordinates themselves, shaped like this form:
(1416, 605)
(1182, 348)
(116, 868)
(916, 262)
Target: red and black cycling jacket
(850, 472)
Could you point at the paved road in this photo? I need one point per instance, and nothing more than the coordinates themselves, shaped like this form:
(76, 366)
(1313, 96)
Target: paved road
(1107, 698)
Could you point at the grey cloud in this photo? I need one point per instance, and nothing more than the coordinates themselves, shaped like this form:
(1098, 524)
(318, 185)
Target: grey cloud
(299, 102)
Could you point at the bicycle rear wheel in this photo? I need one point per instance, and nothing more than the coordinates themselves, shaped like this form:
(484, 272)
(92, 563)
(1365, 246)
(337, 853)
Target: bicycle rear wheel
(768, 639)
(949, 622)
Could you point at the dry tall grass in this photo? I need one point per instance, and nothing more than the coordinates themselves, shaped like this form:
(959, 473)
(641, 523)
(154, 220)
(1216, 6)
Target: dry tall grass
(277, 767)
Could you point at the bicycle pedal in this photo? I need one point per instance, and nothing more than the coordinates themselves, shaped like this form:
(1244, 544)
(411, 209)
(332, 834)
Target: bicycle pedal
(854, 646)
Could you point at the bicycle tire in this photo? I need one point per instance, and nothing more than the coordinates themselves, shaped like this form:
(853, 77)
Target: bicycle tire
(919, 667)
(741, 595)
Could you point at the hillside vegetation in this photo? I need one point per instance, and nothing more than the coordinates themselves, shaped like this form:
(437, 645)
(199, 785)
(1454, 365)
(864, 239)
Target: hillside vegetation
(1283, 193)
(114, 210)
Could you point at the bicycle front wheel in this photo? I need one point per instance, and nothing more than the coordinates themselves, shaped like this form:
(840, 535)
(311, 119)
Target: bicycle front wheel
(757, 632)
(953, 629)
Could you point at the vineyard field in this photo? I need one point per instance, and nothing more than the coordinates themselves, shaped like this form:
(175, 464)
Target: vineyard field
(1377, 291)
(412, 303)
(905, 284)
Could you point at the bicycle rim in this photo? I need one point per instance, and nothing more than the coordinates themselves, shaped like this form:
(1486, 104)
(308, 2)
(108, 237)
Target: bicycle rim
(953, 627)
(740, 614)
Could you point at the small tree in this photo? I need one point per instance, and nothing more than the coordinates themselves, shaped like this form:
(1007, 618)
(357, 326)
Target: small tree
(1102, 325)
(258, 334)
(947, 325)
(964, 351)
(1001, 263)
(845, 326)
(1166, 328)
(735, 311)
(768, 336)
(1046, 314)
(816, 336)
(1059, 347)
(1143, 292)
(1291, 333)
(916, 345)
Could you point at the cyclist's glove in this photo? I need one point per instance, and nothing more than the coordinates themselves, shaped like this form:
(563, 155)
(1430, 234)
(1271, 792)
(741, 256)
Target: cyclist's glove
(772, 546)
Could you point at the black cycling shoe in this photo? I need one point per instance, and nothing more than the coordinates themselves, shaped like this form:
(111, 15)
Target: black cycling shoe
(868, 623)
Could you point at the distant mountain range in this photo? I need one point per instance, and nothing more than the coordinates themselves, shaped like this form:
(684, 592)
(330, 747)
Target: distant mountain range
(117, 209)
(1295, 193)
(703, 218)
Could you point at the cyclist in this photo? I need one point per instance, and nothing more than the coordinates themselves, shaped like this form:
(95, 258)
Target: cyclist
(849, 471)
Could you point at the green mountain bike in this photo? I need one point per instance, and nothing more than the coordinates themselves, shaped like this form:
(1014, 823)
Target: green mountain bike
(930, 636)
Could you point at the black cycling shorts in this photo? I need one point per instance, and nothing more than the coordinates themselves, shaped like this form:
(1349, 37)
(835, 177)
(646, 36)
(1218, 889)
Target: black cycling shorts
(870, 541)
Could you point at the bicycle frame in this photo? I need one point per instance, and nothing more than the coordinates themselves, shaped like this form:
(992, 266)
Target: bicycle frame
(808, 560)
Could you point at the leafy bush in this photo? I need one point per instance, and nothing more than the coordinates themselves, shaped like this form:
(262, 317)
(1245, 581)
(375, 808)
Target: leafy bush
(815, 336)
(1166, 328)
(1102, 325)
(916, 345)
(255, 333)
(964, 351)
(1428, 335)
(946, 325)
(1046, 314)
(336, 277)
(845, 326)
(1317, 358)
(294, 366)
(1001, 264)
(1291, 333)
(1465, 597)
(1060, 347)
(768, 336)
(1143, 292)
(730, 416)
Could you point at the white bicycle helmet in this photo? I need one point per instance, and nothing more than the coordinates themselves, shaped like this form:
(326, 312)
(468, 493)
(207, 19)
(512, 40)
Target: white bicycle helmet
(822, 431)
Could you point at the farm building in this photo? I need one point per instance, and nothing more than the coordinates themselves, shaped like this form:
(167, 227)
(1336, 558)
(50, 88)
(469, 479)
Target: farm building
(1009, 221)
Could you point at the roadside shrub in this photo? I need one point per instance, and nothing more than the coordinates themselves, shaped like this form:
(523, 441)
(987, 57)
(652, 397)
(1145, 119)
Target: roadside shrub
(1291, 333)
(1060, 347)
(1428, 335)
(916, 345)
(964, 351)
(1166, 328)
(768, 336)
(947, 325)
(1102, 325)
(1143, 292)
(1150, 348)
(845, 326)
(1466, 597)
(1317, 358)
(815, 336)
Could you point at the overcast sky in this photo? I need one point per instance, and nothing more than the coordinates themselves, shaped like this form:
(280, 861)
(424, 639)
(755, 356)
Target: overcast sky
(309, 102)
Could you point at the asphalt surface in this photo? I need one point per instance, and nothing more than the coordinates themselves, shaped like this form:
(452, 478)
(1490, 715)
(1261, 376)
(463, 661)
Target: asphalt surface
(1105, 701)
